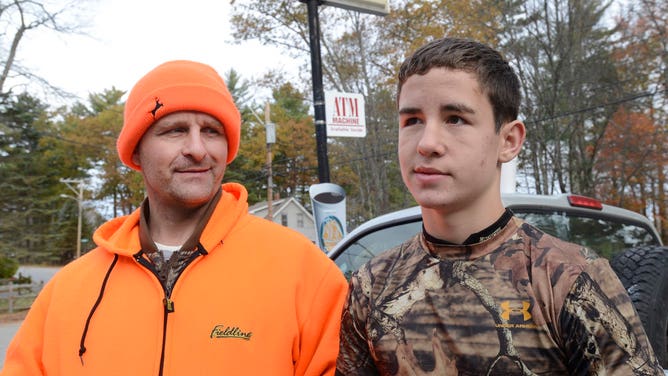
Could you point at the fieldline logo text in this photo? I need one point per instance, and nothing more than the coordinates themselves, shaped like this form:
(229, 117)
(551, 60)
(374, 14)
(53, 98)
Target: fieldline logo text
(222, 331)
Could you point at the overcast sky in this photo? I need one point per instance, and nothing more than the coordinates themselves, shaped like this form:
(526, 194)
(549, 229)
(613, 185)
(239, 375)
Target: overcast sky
(129, 37)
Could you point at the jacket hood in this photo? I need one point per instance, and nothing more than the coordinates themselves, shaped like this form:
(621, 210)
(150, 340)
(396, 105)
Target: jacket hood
(121, 235)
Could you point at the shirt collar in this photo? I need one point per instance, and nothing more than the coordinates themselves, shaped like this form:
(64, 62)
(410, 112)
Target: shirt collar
(477, 237)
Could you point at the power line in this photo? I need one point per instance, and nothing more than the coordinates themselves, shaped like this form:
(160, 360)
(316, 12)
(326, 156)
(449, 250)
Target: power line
(591, 108)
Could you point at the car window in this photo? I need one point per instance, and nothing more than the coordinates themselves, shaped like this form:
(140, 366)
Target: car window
(370, 244)
(606, 237)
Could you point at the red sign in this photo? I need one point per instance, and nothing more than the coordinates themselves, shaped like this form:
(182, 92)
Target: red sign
(344, 114)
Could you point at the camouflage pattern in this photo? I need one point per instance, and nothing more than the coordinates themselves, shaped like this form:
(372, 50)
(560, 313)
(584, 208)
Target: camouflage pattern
(169, 270)
(520, 302)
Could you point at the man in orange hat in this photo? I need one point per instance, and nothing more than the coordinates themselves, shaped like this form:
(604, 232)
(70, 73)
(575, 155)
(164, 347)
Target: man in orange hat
(190, 283)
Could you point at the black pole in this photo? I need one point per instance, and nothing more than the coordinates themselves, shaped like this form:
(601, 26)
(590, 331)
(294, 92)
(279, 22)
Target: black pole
(318, 92)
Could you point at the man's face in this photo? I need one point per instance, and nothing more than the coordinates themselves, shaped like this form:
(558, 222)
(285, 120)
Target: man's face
(448, 148)
(183, 159)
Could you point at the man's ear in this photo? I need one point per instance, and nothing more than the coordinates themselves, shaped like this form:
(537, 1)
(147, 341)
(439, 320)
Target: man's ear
(135, 158)
(512, 138)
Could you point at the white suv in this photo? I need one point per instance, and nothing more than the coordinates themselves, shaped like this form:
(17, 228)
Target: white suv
(627, 239)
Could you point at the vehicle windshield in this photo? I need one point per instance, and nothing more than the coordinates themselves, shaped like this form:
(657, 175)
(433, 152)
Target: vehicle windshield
(605, 236)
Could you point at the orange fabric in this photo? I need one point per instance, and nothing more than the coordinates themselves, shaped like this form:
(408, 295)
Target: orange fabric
(179, 85)
(264, 301)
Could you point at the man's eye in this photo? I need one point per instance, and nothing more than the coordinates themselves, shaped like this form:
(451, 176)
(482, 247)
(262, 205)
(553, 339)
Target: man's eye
(210, 130)
(175, 130)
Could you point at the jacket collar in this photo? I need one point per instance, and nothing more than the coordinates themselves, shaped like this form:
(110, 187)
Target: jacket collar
(145, 239)
(121, 235)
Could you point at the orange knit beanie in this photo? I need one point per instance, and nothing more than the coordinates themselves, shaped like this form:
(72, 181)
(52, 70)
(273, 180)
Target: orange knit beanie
(178, 85)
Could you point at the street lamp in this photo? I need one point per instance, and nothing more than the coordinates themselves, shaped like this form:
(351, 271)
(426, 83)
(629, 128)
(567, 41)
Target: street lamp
(78, 191)
(270, 129)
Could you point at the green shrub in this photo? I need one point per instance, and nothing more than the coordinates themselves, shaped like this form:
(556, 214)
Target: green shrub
(8, 267)
(23, 279)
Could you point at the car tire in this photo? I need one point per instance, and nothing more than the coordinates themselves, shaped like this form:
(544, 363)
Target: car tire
(644, 273)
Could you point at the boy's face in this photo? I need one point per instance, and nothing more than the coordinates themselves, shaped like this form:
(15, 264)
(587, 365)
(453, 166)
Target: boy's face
(448, 148)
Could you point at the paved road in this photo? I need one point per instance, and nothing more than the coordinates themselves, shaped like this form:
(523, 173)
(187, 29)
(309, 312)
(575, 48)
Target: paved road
(7, 331)
(38, 273)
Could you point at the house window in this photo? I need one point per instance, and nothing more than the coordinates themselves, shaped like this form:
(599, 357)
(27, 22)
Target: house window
(284, 219)
(300, 220)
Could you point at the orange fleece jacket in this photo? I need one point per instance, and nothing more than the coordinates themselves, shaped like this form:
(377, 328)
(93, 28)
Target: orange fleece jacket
(263, 301)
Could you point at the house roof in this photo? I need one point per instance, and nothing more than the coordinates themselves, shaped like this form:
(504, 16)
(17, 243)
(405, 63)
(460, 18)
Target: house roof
(278, 206)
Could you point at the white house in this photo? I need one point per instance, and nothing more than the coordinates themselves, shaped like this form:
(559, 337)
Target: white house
(289, 213)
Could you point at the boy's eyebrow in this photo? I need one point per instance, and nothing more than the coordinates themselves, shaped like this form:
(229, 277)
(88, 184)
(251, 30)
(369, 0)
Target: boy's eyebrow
(409, 110)
(450, 107)
(457, 107)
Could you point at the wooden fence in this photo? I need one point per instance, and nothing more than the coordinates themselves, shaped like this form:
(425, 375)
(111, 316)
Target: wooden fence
(18, 297)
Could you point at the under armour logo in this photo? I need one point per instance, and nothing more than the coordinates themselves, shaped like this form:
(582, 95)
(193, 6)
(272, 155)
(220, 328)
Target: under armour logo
(507, 310)
(157, 107)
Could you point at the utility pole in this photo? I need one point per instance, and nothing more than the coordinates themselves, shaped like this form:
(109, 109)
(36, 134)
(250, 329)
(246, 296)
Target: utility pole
(323, 215)
(318, 90)
(76, 186)
(378, 7)
(270, 129)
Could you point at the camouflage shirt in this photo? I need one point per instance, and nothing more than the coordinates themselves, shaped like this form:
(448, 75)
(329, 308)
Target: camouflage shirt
(520, 302)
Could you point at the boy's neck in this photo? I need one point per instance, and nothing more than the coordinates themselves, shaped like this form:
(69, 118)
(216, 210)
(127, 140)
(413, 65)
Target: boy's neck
(457, 226)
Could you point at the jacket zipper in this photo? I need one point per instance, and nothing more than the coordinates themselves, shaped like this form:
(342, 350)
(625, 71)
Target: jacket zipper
(167, 302)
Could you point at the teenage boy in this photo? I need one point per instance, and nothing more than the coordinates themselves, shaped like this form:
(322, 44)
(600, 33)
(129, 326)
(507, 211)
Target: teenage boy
(479, 291)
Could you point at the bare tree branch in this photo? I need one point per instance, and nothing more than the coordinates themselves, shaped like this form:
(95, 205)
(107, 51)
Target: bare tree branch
(22, 16)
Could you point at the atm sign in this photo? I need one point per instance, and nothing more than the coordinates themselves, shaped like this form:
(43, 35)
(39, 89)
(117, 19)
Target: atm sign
(344, 114)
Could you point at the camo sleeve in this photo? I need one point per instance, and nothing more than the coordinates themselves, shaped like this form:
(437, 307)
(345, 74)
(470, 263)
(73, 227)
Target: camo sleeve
(601, 332)
(354, 353)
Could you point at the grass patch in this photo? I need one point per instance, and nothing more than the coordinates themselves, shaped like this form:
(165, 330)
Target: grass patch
(21, 303)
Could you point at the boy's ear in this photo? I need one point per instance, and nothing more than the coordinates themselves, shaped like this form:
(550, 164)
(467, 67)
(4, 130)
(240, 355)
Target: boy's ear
(512, 138)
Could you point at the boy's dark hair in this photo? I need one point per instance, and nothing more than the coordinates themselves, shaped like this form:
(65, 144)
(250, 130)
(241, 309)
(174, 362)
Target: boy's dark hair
(495, 76)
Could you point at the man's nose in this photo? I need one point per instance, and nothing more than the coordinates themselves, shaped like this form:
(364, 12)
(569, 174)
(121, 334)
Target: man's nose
(194, 146)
